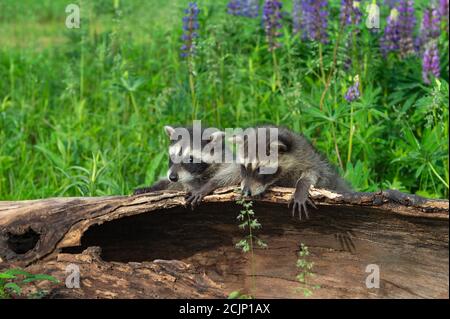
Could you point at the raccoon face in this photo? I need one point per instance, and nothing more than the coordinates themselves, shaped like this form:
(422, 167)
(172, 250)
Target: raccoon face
(258, 172)
(187, 170)
(191, 164)
(255, 181)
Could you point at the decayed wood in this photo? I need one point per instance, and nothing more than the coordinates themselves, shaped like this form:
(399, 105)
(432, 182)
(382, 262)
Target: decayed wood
(405, 234)
(100, 279)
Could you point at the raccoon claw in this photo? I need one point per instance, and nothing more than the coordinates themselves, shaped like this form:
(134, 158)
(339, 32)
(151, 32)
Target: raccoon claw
(301, 205)
(193, 199)
(139, 191)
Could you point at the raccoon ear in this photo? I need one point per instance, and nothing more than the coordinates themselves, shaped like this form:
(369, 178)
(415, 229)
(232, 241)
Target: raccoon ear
(280, 145)
(169, 130)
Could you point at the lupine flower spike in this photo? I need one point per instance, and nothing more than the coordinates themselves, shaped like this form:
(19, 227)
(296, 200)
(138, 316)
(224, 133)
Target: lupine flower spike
(389, 42)
(353, 91)
(315, 20)
(235, 7)
(190, 27)
(296, 16)
(430, 62)
(272, 22)
(250, 8)
(406, 24)
(350, 12)
(430, 27)
(351, 15)
(245, 8)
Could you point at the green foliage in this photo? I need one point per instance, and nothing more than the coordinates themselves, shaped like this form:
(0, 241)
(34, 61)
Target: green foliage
(249, 223)
(12, 282)
(305, 267)
(238, 295)
(82, 110)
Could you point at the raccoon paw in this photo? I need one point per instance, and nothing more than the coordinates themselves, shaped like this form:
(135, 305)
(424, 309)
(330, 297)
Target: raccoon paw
(194, 199)
(300, 204)
(144, 190)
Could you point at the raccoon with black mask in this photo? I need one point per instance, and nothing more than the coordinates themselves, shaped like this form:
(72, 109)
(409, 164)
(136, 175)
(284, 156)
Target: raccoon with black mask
(196, 170)
(297, 164)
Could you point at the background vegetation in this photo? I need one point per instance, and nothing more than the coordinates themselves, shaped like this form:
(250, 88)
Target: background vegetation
(82, 110)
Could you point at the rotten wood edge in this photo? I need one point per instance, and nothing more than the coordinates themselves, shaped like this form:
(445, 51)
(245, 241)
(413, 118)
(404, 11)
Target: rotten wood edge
(19, 216)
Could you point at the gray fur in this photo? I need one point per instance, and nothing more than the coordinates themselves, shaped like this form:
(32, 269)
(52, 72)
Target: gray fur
(298, 161)
(198, 182)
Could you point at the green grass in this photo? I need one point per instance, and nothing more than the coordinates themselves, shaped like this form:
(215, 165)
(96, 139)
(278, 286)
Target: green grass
(82, 111)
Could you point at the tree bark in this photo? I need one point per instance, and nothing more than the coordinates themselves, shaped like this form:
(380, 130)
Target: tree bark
(151, 246)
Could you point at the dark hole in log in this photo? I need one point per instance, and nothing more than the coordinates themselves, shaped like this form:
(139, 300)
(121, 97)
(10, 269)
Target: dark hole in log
(342, 242)
(22, 243)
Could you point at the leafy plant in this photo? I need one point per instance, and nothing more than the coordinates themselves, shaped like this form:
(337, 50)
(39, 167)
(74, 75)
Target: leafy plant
(238, 295)
(12, 282)
(305, 267)
(247, 244)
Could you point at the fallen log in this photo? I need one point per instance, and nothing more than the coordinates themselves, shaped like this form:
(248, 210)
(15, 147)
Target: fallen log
(151, 246)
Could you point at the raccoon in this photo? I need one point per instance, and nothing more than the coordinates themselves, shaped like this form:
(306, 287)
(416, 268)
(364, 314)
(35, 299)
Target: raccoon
(297, 165)
(197, 171)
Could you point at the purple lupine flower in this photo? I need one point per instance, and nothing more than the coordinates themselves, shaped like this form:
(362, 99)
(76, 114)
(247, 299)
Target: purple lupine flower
(296, 16)
(389, 42)
(406, 24)
(235, 7)
(315, 20)
(435, 21)
(350, 15)
(353, 92)
(190, 27)
(272, 22)
(430, 27)
(430, 62)
(246, 8)
(250, 8)
(346, 11)
(350, 12)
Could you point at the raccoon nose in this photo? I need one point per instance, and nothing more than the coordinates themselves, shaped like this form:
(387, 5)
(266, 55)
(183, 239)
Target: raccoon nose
(246, 192)
(173, 177)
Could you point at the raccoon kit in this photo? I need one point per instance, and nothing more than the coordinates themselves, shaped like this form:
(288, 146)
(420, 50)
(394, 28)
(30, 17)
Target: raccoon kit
(298, 164)
(197, 171)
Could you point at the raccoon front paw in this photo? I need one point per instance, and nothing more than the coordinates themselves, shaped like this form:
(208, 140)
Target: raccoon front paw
(143, 190)
(194, 199)
(301, 204)
(300, 200)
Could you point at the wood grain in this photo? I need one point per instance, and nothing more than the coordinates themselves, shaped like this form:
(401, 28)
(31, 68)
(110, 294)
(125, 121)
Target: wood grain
(151, 246)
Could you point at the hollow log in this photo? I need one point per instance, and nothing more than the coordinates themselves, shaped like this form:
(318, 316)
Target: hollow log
(152, 246)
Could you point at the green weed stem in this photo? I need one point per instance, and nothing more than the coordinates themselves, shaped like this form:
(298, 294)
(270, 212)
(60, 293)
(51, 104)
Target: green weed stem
(192, 88)
(333, 67)
(350, 138)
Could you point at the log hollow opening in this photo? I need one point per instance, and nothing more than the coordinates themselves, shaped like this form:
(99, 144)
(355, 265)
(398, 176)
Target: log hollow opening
(21, 243)
(342, 241)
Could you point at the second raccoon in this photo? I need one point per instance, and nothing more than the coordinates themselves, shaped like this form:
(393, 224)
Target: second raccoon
(298, 165)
